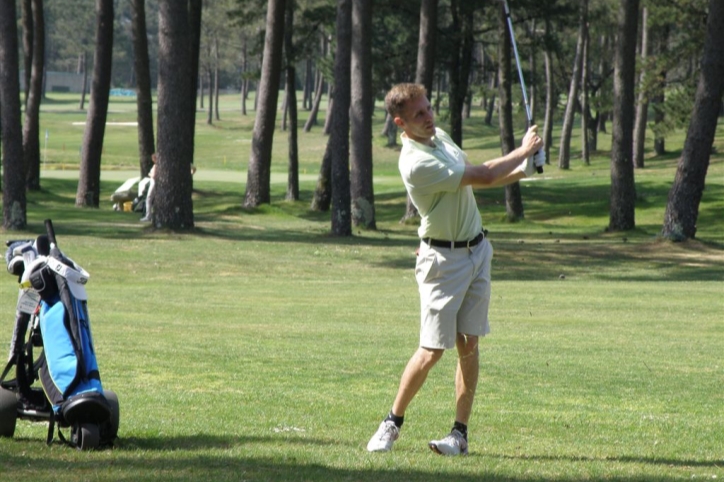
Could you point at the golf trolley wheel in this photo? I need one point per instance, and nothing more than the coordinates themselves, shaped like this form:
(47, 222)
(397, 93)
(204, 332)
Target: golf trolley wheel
(88, 436)
(8, 412)
(112, 399)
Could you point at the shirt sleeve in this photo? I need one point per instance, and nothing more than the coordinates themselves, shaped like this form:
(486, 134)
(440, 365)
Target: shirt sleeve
(431, 175)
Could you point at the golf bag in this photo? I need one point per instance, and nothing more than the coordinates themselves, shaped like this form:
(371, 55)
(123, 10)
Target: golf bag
(52, 315)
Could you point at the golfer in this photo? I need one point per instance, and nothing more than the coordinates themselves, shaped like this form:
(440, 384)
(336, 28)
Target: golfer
(453, 263)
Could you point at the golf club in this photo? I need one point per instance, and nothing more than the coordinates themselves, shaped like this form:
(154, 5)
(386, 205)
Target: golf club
(536, 157)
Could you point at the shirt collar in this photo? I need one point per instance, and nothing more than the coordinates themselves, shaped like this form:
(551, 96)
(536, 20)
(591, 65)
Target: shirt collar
(420, 145)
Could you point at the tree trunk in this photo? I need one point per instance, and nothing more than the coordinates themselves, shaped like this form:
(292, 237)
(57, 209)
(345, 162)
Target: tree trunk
(564, 154)
(585, 108)
(427, 43)
(623, 188)
(83, 65)
(201, 92)
(312, 119)
(27, 22)
(173, 205)
(13, 182)
(490, 107)
(144, 100)
(682, 209)
(642, 104)
(195, 11)
(338, 142)
(244, 70)
(244, 95)
(660, 96)
(551, 98)
(89, 177)
(460, 61)
(291, 88)
(216, 80)
(210, 110)
(390, 131)
(362, 187)
(308, 85)
(31, 129)
(330, 105)
(438, 95)
(259, 172)
(513, 199)
(285, 110)
(604, 67)
(532, 84)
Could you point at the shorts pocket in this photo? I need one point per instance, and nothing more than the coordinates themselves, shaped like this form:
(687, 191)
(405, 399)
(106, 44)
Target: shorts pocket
(427, 266)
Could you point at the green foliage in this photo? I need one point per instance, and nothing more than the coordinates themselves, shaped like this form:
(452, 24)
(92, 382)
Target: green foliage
(394, 44)
(677, 110)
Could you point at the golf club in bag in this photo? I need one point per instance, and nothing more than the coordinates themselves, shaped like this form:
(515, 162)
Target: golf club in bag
(539, 158)
(52, 343)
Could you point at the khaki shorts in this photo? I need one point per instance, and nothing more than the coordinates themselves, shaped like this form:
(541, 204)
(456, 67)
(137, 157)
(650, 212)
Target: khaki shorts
(454, 293)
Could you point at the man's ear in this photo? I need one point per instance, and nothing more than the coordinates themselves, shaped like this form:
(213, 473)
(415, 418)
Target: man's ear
(399, 122)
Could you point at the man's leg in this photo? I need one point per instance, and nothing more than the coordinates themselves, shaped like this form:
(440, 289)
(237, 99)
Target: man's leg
(414, 377)
(466, 376)
(411, 381)
(466, 380)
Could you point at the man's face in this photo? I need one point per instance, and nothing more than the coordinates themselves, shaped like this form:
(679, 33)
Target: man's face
(417, 119)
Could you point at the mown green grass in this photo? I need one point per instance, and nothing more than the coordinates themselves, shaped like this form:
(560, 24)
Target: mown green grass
(261, 348)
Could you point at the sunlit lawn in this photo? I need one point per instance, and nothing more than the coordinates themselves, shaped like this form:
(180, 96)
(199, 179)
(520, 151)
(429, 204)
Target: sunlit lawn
(261, 348)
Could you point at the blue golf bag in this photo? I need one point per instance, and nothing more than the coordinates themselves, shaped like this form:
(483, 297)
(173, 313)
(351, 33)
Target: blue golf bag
(52, 314)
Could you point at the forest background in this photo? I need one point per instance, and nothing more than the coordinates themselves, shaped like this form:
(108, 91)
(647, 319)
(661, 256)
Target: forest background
(630, 67)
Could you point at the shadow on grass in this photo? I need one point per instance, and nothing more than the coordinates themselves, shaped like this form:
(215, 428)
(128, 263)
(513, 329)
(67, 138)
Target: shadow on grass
(187, 458)
(667, 461)
(545, 248)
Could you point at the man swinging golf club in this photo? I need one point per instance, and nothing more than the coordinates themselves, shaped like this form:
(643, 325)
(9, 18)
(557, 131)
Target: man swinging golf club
(453, 263)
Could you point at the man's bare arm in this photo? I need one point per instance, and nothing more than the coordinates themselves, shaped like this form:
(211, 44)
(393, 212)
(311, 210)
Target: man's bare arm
(503, 170)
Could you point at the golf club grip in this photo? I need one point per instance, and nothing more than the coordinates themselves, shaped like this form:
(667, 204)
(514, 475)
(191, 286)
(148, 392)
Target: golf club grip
(51, 232)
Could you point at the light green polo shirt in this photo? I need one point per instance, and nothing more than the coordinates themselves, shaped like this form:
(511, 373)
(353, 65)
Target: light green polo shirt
(432, 178)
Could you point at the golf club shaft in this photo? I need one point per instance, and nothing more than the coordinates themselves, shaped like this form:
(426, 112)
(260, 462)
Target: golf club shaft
(528, 114)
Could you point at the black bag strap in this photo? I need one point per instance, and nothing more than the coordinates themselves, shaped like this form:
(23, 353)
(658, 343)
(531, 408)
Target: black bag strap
(7, 369)
(51, 431)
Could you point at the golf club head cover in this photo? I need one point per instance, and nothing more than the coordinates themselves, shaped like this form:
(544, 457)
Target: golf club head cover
(14, 256)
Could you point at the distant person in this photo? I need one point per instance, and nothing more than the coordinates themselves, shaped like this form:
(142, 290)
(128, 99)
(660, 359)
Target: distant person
(150, 190)
(453, 262)
(150, 193)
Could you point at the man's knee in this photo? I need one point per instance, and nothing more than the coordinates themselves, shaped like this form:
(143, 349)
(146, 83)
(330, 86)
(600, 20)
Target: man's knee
(428, 357)
(467, 344)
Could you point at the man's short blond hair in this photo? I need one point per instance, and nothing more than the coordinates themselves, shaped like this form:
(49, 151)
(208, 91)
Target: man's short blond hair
(401, 94)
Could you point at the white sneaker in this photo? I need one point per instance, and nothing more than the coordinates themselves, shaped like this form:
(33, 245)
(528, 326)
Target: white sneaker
(453, 444)
(385, 436)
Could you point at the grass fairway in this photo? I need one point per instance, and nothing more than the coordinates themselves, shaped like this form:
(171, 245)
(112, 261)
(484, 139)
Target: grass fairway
(259, 348)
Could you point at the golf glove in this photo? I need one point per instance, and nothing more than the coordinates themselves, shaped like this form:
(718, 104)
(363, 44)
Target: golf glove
(528, 166)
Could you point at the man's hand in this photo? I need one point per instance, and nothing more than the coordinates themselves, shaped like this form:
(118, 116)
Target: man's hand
(531, 141)
(532, 145)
